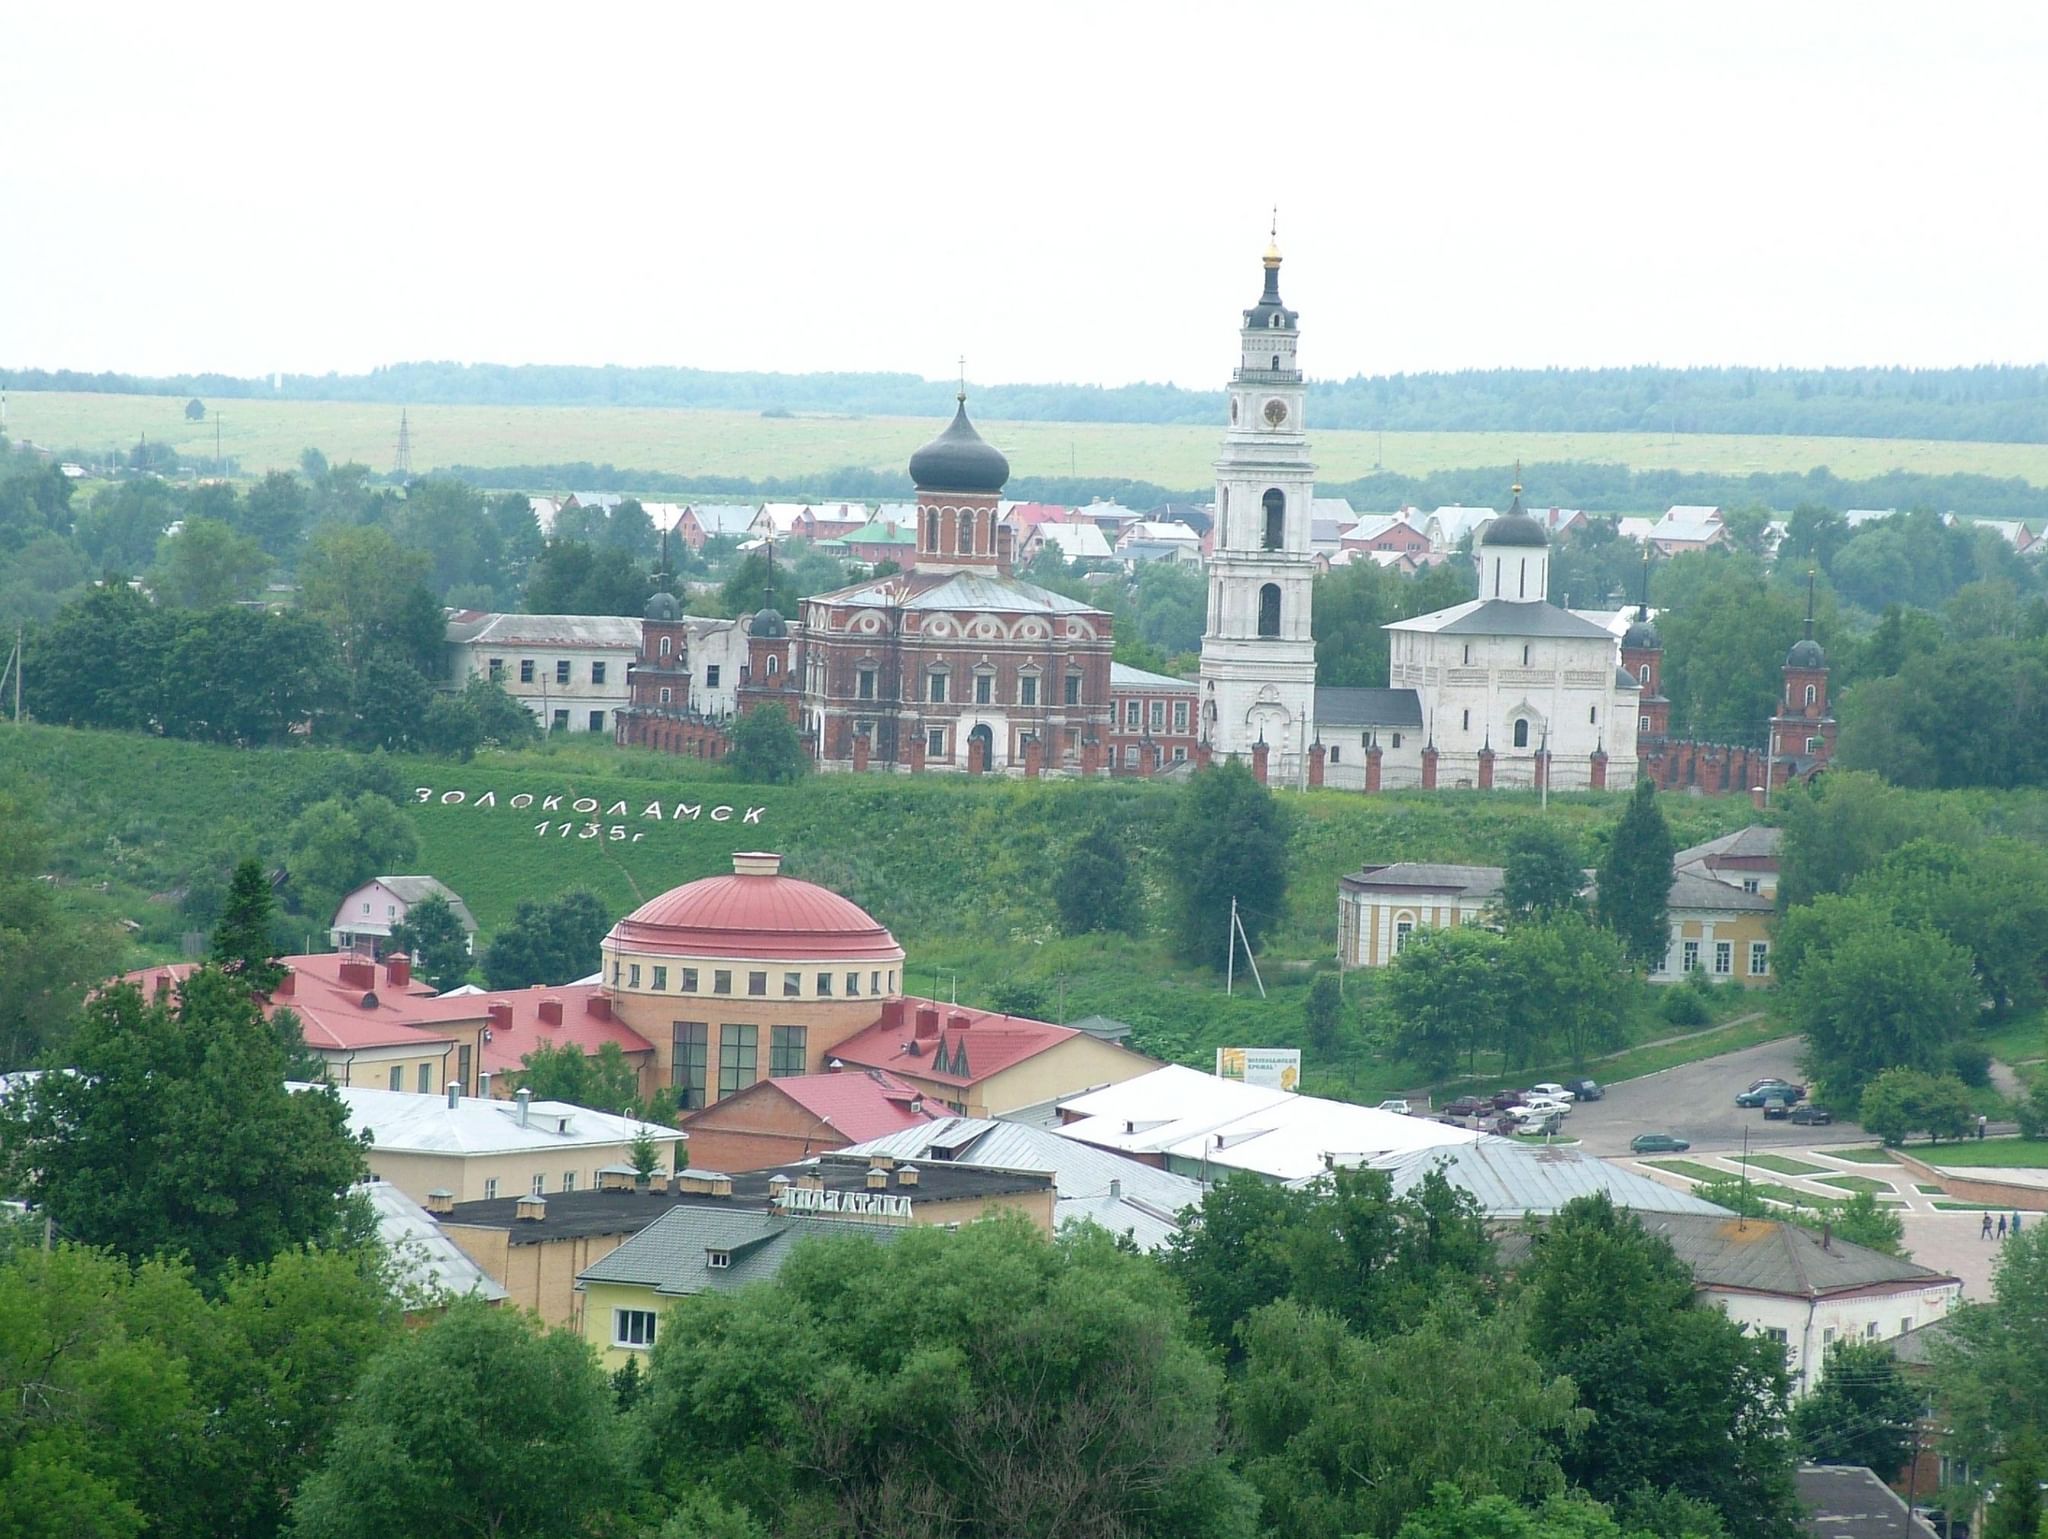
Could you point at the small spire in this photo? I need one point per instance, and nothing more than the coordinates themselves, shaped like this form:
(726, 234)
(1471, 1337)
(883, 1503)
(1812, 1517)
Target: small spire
(1516, 489)
(1809, 603)
(962, 396)
(1643, 587)
(1272, 257)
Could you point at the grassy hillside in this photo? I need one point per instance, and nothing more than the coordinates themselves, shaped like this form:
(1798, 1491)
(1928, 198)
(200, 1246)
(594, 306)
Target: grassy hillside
(263, 434)
(961, 871)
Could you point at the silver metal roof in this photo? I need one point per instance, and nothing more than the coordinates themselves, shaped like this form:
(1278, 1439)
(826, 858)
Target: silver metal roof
(1510, 1179)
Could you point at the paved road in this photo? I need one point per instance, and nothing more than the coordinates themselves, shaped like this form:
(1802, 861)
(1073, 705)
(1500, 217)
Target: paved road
(1697, 1102)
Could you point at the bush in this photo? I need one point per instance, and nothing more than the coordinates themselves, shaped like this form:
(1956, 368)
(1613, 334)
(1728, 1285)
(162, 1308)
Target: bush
(1972, 1064)
(1684, 1007)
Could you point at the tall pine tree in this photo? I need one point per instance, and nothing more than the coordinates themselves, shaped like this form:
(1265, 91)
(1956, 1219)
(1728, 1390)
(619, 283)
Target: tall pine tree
(1635, 878)
(242, 942)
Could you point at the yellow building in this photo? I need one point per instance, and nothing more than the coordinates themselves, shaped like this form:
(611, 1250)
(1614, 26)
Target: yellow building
(1718, 929)
(1379, 907)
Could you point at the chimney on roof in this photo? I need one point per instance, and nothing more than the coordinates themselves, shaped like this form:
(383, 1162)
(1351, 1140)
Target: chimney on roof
(483, 1085)
(597, 1006)
(525, 1100)
(927, 1021)
(440, 1201)
(957, 1020)
(1116, 1187)
(499, 1013)
(551, 1012)
(398, 970)
(878, 1179)
(358, 974)
(906, 1175)
(163, 987)
(454, 1095)
(756, 863)
(778, 1189)
(880, 1161)
(287, 986)
(530, 1209)
(703, 1183)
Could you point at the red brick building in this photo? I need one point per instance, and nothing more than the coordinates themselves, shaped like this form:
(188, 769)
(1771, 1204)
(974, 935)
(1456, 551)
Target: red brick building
(659, 713)
(1154, 722)
(959, 664)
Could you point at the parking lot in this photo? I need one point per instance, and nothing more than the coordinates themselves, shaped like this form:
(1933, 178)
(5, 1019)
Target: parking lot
(1697, 1102)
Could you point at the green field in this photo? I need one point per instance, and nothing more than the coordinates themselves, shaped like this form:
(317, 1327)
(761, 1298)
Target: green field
(265, 435)
(961, 871)
(1860, 1184)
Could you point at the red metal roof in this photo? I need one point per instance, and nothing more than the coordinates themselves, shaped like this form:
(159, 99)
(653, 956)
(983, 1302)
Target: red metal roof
(333, 1016)
(756, 914)
(859, 1103)
(989, 1042)
(516, 1022)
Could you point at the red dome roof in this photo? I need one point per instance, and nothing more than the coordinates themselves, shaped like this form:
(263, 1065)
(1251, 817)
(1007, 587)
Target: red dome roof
(756, 912)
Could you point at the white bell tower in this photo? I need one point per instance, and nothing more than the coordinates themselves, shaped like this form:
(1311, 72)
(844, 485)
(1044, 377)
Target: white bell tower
(1258, 654)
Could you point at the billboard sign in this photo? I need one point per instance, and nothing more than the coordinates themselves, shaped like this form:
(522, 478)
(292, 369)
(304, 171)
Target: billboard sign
(1270, 1068)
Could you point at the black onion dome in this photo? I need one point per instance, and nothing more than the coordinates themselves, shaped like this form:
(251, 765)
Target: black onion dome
(1806, 653)
(959, 460)
(768, 623)
(1642, 635)
(1514, 527)
(664, 607)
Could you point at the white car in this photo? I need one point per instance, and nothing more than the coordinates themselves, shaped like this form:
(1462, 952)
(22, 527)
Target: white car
(1552, 1091)
(1545, 1105)
(1396, 1105)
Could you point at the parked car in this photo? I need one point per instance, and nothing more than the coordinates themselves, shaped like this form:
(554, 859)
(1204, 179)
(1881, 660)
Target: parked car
(1468, 1106)
(1658, 1143)
(1757, 1094)
(1798, 1090)
(1395, 1105)
(1585, 1089)
(1551, 1090)
(1504, 1099)
(1938, 1520)
(1811, 1116)
(1537, 1119)
(1545, 1103)
(1776, 1108)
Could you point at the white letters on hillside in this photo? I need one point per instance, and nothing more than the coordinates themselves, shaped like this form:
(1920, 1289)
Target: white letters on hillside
(655, 812)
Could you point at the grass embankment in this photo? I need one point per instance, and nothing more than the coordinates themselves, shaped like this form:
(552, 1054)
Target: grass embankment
(268, 434)
(1692, 1170)
(1976, 1153)
(1868, 1184)
(1862, 1155)
(962, 872)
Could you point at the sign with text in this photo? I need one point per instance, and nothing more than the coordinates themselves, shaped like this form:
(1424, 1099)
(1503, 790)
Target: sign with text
(801, 1199)
(1270, 1068)
(565, 816)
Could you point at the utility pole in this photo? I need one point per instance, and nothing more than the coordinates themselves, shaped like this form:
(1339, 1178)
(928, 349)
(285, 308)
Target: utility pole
(1237, 937)
(402, 463)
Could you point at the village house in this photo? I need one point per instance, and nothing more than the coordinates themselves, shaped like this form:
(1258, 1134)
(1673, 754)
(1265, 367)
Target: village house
(364, 920)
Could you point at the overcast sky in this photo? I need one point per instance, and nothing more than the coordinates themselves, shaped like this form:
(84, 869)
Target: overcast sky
(1060, 192)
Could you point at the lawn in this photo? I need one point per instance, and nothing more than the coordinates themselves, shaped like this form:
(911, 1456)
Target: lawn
(1860, 1184)
(2010, 1153)
(1780, 1164)
(1692, 1170)
(267, 434)
(1862, 1156)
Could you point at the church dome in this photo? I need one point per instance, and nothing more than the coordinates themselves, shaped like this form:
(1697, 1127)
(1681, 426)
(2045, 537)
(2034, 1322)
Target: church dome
(959, 460)
(1514, 527)
(768, 623)
(1806, 653)
(1641, 635)
(665, 608)
(756, 912)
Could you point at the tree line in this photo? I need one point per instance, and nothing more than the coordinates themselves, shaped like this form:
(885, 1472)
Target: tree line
(2000, 403)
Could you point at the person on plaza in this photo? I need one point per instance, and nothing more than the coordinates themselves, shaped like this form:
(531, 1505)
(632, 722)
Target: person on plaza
(2015, 1223)
(1985, 1232)
(1982, 1121)
(2001, 1226)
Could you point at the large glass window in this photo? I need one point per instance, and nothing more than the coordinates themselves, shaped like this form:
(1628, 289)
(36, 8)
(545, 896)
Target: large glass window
(786, 1050)
(633, 1328)
(739, 1058)
(691, 1041)
(936, 688)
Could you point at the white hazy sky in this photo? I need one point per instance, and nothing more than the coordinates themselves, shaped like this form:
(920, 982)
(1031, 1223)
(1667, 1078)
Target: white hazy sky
(1058, 191)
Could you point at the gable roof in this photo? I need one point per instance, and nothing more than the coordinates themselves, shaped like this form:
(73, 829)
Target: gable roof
(971, 1045)
(1511, 1179)
(859, 1103)
(1757, 841)
(672, 1254)
(1077, 542)
(971, 590)
(716, 518)
(1124, 676)
(516, 1027)
(1690, 890)
(427, 1124)
(1429, 876)
(411, 889)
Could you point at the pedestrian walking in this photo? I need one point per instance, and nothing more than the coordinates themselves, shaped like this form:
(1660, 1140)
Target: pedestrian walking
(1985, 1232)
(2015, 1223)
(1982, 1122)
(2001, 1226)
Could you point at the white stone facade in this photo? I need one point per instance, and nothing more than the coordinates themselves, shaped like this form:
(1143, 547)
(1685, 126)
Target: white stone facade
(569, 670)
(1258, 650)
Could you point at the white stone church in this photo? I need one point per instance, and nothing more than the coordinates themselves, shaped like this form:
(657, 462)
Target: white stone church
(1507, 690)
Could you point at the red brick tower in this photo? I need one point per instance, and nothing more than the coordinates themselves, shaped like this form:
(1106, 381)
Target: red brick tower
(959, 477)
(1803, 733)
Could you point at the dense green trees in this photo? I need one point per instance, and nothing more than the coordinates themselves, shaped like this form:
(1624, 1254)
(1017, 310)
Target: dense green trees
(1097, 888)
(338, 844)
(604, 1080)
(766, 749)
(49, 954)
(1543, 874)
(243, 943)
(435, 940)
(1861, 1412)
(1683, 1399)
(1230, 842)
(206, 565)
(1635, 878)
(176, 1136)
(1353, 602)
(1899, 1101)
(478, 1424)
(1967, 714)
(555, 941)
(988, 1381)
(1991, 1368)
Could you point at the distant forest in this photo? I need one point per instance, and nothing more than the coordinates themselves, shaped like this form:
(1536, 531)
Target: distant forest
(1597, 488)
(1998, 404)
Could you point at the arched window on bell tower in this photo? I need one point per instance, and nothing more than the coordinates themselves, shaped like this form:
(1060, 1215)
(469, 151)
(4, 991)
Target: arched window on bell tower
(1275, 504)
(931, 530)
(1269, 609)
(1811, 694)
(966, 531)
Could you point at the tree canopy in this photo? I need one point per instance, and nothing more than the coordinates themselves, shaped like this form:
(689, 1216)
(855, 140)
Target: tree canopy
(1635, 878)
(1230, 841)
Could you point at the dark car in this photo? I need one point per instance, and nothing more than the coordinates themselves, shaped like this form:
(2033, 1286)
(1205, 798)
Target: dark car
(1507, 1098)
(1658, 1143)
(1468, 1106)
(1776, 1108)
(1585, 1089)
(1810, 1116)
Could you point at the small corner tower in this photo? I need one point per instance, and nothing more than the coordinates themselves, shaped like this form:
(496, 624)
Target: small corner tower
(1803, 732)
(1642, 658)
(1258, 651)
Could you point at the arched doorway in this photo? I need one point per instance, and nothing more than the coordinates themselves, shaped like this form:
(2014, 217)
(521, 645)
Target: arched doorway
(987, 739)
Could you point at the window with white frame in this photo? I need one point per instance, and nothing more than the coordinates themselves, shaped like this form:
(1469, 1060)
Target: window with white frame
(633, 1328)
(491, 1189)
(1759, 959)
(1691, 953)
(568, 1180)
(1724, 958)
(1180, 716)
(540, 1184)
(1131, 710)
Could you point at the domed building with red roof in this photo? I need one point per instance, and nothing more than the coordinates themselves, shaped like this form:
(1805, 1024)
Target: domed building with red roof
(735, 979)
